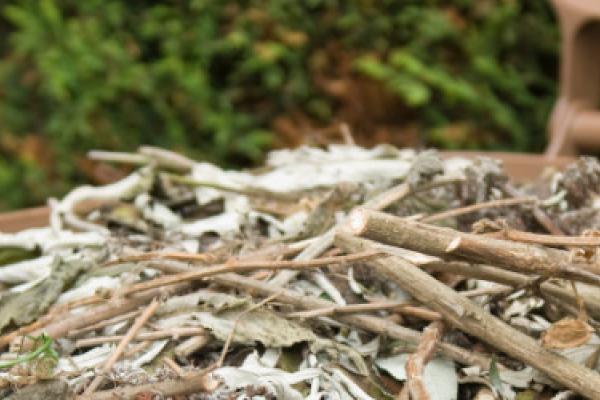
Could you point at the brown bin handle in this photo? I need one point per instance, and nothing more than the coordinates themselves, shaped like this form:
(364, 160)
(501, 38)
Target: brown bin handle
(575, 121)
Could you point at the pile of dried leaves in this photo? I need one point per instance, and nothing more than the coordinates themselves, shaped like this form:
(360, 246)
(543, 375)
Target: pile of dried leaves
(342, 273)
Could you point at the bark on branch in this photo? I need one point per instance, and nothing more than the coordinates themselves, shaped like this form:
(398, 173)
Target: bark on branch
(433, 240)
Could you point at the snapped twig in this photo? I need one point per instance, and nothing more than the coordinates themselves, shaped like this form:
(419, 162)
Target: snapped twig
(446, 242)
(116, 354)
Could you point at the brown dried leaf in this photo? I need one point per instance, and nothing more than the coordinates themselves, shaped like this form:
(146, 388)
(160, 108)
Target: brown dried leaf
(567, 333)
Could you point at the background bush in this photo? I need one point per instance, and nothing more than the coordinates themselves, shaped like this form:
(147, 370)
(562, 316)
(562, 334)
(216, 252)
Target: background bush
(224, 80)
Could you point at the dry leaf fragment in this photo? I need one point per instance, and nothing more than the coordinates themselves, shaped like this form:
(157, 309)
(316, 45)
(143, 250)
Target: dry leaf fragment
(567, 333)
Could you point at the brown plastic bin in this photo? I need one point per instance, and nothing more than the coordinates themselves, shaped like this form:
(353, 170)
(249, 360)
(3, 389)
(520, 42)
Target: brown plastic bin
(575, 122)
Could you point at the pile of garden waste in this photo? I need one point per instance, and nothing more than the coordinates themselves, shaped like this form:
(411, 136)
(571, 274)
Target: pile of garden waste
(328, 273)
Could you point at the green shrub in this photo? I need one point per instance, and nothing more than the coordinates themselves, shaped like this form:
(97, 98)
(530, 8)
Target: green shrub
(208, 78)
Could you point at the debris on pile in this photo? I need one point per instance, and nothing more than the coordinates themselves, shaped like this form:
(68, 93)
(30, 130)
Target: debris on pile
(338, 273)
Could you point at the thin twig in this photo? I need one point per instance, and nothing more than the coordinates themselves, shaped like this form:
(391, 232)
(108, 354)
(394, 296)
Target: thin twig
(246, 267)
(478, 207)
(155, 335)
(237, 321)
(415, 365)
(158, 256)
(105, 323)
(400, 307)
(116, 354)
(547, 240)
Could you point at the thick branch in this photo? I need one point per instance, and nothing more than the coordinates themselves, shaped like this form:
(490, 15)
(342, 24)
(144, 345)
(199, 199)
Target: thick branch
(433, 240)
(554, 288)
(465, 315)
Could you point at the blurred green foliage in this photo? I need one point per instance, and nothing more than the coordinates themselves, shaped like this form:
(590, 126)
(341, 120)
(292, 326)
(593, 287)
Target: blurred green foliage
(208, 77)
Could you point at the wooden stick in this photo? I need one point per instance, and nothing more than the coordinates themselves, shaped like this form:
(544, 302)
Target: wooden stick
(399, 307)
(193, 383)
(415, 365)
(478, 207)
(59, 329)
(245, 267)
(466, 316)
(115, 355)
(548, 240)
(369, 323)
(161, 334)
(439, 241)
(105, 323)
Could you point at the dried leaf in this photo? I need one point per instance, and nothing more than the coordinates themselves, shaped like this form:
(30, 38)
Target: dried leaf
(25, 307)
(567, 333)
